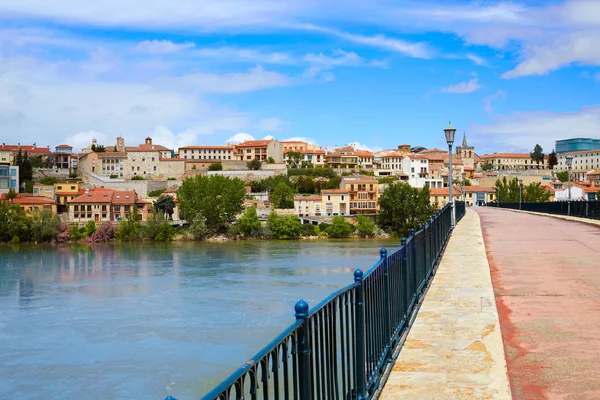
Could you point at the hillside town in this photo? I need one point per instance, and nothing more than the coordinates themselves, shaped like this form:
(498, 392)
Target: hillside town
(104, 182)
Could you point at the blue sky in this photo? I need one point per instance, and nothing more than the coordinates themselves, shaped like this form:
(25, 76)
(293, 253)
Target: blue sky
(376, 73)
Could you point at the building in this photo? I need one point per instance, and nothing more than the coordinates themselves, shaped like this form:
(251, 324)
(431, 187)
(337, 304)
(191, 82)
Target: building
(439, 197)
(48, 191)
(65, 192)
(109, 163)
(576, 144)
(123, 202)
(364, 193)
(62, 158)
(209, 154)
(350, 157)
(478, 195)
(32, 151)
(144, 160)
(100, 205)
(260, 150)
(513, 161)
(583, 162)
(388, 162)
(315, 157)
(298, 146)
(594, 178)
(329, 203)
(466, 153)
(9, 178)
(416, 167)
(30, 204)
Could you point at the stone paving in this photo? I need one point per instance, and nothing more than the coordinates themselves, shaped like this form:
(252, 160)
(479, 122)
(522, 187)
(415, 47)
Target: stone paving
(454, 349)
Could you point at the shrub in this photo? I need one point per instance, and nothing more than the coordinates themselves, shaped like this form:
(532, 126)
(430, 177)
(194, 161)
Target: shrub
(104, 233)
(138, 178)
(156, 193)
(76, 233)
(113, 176)
(63, 232)
(90, 228)
(309, 230)
(215, 167)
(43, 226)
(340, 228)
(198, 229)
(73, 175)
(129, 229)
(254, 164)
(171, 178)
(365, 226)
(48, 180)
(234, 231)
(165, 232)
(284, 226)
(249, 223)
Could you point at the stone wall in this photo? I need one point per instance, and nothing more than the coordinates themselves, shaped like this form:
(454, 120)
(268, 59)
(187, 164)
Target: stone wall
(142, 188)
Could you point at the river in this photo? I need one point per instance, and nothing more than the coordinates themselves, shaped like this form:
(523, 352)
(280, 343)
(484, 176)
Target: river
(143, 321)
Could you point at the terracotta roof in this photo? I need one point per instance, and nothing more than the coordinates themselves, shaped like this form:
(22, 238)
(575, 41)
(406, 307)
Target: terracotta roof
(488, 189)
(147, 148)
(389, 153)
(433, 151)
(112, 154)
(314, 197)
(359, 177)
(506, 155)
(254, 143)
(334, 191)
(30, 149)
(27, 198)
(302, 151)
(171, 159)
(208, 147)
(351, 152)
(444, 191)
(124, 197)
(96, 196)
(417, 156)
(64, 146)
(594, 173)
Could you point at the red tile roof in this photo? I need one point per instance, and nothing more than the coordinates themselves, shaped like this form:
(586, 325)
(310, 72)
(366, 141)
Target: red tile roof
(335, 191)
(124, 197)
(64, 146)
(506, 155)
(314, 197)
(254, 143)
(26, 198)
(208, 147)
(97, 196)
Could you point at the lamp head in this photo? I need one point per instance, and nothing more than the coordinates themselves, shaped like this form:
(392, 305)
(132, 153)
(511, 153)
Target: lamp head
(569, 160)
(449, 131)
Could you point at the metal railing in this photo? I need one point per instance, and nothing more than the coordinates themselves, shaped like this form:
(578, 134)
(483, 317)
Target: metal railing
(341, 348)
(578, 208)
(460, 211)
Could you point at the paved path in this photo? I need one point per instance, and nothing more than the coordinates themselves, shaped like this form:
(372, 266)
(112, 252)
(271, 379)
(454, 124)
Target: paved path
(454, 349)
(546, 276)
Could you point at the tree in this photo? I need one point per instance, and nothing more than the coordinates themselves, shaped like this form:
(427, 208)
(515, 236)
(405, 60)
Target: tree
(284, 226)
(249, 223)
(198, 229)
(537, 155)
(215, 167)
(99, 148)
(215, 198)
(270, 160)
(508, 191)
(129, 229)
(365, 226)
(403, 207)
(536, 193)
(562, 176)
(552, 159)
(282, 196)
(25, 169)
(11, 194)
(340, 228)
(137, 178)
(104, 233)
(305, 185)
(294, 159)
(90, 228)
(48, 180)
(254, 164)
(487, 166)
(44, 226)
(165, 205)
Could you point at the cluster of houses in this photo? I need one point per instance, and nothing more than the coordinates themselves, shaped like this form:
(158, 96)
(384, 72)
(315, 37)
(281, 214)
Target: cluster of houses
(80, 201)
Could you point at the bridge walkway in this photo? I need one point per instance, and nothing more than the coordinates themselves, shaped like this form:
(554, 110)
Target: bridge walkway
(454, 349)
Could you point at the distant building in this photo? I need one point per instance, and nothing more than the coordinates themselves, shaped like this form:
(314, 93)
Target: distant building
(576, 144)
(329, 203)
(350, 157)
(9, 178)
(513, 161)
(100, 205)
(583, 162)
(208, 154)
(364, 193)
(30, 204)
(439, 197)
(260, 150)
(315, 157)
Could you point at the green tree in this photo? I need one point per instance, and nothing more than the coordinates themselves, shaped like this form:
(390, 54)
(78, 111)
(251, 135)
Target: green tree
(129, 229)
(562, 176)
(305, 185)
(254, 164)
(508, 191)
(25, 169)
(165, 205)
(403, 207)
(156, 193)
(198, 229)
(44, 226)
(48, 180)
(269, 184)
(215, 167)
(249, 223)
(284, 226)
(552, 159)
(99, 148)
(11, 194)
(217, 199)
(487, 166)
(270, 160)
(537, 155)
(340, 228)
(28, 186)
(365, 226)
(294, 159)
(137, 178)
(90, 228)
(536, 193)
(282, 196)
(9, 220)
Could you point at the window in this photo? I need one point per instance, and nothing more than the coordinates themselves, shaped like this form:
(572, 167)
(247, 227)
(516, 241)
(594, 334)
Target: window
(13, 172)
(328, 198)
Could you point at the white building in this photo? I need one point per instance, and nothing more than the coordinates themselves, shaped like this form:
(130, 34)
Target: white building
(583, 162)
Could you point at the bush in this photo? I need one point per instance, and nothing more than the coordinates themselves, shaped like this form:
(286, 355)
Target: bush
(234, 231)
(249, 223)
(325, 172)
(198, 229)
(63, 232)
(365, 226)
(165, 232)
(309, 230)
(340, 228)
(48, 180)
(73, 175)
(282, 196)
(156, 193)
(215, 167)
(138, 178)
(90, 228)
(254, 164)
(104, 233)
(129, 229)
(171, 178)
(284, 226)
(113, 176)
(76, 233)
(387, 180)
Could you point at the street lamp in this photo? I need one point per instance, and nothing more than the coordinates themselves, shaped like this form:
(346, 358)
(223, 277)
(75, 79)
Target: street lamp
(569, 160)
(520, 192)
(449, 132)
(462, 186)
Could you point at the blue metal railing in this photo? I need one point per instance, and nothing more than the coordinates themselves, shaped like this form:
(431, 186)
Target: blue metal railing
(342, 347)
(576, 208)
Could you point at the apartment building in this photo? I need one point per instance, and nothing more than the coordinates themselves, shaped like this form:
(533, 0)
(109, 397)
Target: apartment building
(478, 195)
(48, 191)
(30, 204)
(513, 161)
(65, 192)
(350, 157)
(315, 157)
(439, 197)
(210, 154)
(389, 161)
(329, 203)
(32, 151)
(100, 205)
(583, 162)
(260, 150)
(298, 146)
(9, 178)
(364, 193)
(145, 159)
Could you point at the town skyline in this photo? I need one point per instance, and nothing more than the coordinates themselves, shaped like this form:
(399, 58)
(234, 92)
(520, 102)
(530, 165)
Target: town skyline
(377, 74)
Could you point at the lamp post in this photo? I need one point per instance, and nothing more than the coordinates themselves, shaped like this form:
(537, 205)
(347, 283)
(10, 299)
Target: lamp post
(520, 192)
(449, 132)
(462, 187)
(569, 160)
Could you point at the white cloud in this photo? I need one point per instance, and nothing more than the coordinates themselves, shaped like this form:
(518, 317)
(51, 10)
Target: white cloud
(239, 138)
(272, 124)
(487, 101)
(522, 130)
(300, 139)
(477, 60)
(463, 87)
(268, 137)
(161, 46)
(360, 146)
(82, 140)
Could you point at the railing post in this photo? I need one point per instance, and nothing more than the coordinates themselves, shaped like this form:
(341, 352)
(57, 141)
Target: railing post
(359, 334)
(405, 277)
(413, 264)
(386, 300)
(304, 367)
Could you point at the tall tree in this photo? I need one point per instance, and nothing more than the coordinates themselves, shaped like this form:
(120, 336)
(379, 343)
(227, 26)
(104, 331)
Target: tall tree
(508, 191)
(217, 199)
(536, 193)
(294, 159)
(165, 205)
(403, 207)
(537, 155)
(25, 169)
(562, 176)
(282, 196)
(552, 159)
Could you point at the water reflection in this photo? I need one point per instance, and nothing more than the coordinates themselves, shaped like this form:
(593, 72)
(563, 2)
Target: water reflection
(147, 320)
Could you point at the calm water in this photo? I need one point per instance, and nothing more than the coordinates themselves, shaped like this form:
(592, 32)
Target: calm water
(147, 321)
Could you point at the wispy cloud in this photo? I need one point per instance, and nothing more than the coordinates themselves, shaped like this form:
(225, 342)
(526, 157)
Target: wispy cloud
(161, 46)
(477, 60)
(463, 87)
(272, 124)
(487, 101)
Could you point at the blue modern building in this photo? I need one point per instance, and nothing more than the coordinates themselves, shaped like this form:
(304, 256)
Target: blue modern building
(577, 144)
(9, 178)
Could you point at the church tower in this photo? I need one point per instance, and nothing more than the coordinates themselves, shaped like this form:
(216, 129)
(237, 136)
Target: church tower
(466, 152)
